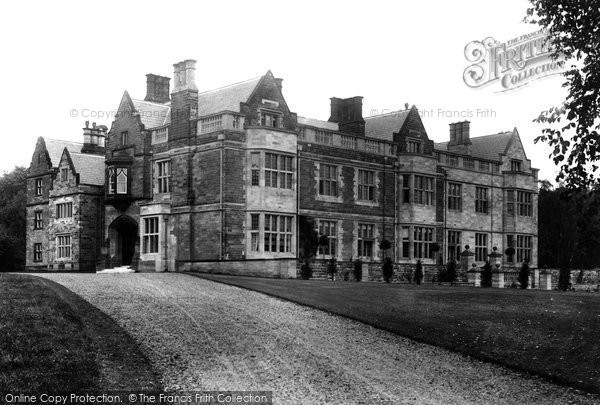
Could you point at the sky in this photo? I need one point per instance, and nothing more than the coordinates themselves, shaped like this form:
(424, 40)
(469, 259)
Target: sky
(67, 62)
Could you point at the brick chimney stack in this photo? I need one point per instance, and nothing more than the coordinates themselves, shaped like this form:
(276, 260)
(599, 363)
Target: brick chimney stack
(157, 88)
(460, 137)
(184, 100)
(347, 112)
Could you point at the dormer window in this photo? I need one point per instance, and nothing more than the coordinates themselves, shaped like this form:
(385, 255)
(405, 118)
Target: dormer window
(415, 147)
(124, 138)
(515, 165)
(117, 180)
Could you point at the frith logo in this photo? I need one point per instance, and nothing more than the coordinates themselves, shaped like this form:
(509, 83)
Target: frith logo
(512, 64)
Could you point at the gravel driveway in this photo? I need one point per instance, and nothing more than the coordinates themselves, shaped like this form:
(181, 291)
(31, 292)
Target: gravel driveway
(202, 335)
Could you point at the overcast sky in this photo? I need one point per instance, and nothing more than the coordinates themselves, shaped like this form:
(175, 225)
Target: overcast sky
(60, 57)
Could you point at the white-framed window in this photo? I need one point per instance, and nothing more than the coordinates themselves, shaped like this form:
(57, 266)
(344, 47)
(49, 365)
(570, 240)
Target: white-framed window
(423, 193)
(481, 200)
(523, 248)
(454, 245)
(254, 232)
(163, 176)
(64, 174)
(160, 135)
(454, 196)
(524, 203)
(39, 186)
(38, 220)
(278, 170)
(422, 241)
(117, 180)
(278, 233)
(516, 165)
(64, 210)
(366, 185)
(405, 242)
(37, 252)
(481, 247)
(328, 180)
(366, 240)
(406, 189)
(63, 246)
(329, 229)
(150, 235)
(255, 168)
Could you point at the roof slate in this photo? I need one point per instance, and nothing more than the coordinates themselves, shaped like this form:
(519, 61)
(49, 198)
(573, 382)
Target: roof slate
(55, 149)
(384, 126)
(226, 98)
(89, 167)
(152, 114)
(485, 147)
(312, 122)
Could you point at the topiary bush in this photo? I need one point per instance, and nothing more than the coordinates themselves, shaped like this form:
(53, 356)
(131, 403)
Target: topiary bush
(388, 269)
(358, 270)
(306, 271)
(419, 272)
(524, 276)
(486, 275)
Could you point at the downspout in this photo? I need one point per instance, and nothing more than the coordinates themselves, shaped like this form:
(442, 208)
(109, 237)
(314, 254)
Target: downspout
(221, 198)
(444, 228)
(165, 243)
(298, 149)
(395, 212)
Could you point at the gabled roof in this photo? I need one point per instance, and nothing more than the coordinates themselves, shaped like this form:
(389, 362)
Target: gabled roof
(55, 149)
(226, 98)
(383, 126)
(89, 167)
(486, 147)
(152, 114)
(312, 122)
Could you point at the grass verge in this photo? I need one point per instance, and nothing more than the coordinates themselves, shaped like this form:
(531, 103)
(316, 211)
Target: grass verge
(551, 334)
(51, 340)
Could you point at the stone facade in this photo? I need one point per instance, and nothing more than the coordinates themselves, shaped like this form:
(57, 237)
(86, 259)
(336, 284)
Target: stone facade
(217, 181)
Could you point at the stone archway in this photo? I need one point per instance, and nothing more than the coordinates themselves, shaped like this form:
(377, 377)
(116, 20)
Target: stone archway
(123, 235)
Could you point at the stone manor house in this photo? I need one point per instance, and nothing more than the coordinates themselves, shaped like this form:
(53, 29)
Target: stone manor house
(218, 181)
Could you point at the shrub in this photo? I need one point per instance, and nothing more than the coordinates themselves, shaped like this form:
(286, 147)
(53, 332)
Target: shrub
(384, 245)
(442, 274)
(409, 276)
(524, 275)
(332, 267)
(486, 275)
(388, 269)
(564, 279)
(419, 272)
(358, 270)
(451, 271)
(305, 271)
(510, 252)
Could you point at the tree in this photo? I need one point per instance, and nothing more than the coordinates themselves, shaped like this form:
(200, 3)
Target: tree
(388, 269)
(524, 275)
(384, 245)
(13, 213)
(486, 275)
(419, 272)
(332, 268)
(572, 130)
(564, 279)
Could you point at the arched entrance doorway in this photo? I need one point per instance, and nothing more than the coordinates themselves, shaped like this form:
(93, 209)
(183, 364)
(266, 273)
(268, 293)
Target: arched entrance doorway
(123, 235)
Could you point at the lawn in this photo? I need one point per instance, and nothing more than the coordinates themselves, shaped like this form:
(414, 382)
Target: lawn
(552, 334)
(52, 341)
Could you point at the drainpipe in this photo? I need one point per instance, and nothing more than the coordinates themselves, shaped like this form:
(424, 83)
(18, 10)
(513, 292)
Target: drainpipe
(165, 243)
(221, 197)
(444, 228)
(298, 149)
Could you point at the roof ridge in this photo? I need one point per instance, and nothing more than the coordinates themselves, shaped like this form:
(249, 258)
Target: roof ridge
(61, 140)
(231, 85)
(87, 154)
